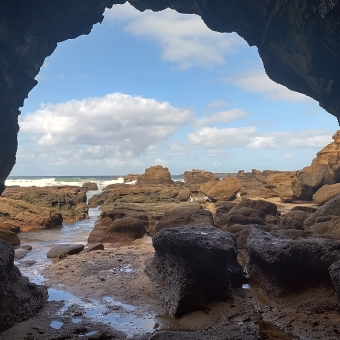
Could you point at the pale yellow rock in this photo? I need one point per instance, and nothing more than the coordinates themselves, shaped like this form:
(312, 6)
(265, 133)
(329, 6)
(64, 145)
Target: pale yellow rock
(326, 192)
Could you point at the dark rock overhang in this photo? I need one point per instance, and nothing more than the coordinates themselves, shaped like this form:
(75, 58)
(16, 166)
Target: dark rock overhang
(298, 41)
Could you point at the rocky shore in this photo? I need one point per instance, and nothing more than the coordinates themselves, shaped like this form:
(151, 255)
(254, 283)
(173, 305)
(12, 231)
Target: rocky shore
(250, 256)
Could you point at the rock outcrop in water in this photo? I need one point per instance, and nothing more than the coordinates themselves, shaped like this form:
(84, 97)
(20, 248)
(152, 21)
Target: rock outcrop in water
(19, 299)
(69, 200)
(155, 175)
(26, 216)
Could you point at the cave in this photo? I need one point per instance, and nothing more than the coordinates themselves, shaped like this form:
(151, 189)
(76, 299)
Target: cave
(298, 42)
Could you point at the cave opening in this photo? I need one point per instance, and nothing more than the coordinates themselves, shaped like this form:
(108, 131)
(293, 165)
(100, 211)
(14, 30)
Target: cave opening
(162, 88)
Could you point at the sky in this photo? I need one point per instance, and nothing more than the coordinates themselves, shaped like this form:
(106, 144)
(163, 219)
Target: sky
(161, 88)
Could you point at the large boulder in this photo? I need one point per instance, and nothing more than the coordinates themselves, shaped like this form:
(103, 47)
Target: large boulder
(293, 219)
(222, 210)
(9, 237)
(155, 175)
(195, 178)
(119, 225)
(246, 212)
(192, 266)
(69, 200)
(183, 215)
(291, 264)
(324, 213)
(325, 169)
(140, 193)
(326, 192)
(221, 190)
(64, 249)
(19, 298)
(27, 216)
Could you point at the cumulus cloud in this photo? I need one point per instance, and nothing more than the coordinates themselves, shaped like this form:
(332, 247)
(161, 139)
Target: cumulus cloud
(110, 127)
(221, 138)
(221, 117)
(257, 81)
(184, 39)
(262, 143)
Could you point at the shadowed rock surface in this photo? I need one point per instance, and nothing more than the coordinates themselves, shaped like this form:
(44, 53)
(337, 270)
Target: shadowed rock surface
(291, 264)
(9, 237)
(193, 265)
(19, 299)
(89, 186)
(293, 219)
(184, 215)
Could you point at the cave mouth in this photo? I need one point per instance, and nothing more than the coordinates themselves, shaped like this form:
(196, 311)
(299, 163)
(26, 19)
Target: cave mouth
(82, 83)
(298, 46)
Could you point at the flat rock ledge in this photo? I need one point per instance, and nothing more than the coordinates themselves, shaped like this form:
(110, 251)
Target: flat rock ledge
(192, 266)
(19, 298)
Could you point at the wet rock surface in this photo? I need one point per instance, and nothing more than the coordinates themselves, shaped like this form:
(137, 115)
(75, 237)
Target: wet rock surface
(192, 266)
(19, 299)
(64, 249)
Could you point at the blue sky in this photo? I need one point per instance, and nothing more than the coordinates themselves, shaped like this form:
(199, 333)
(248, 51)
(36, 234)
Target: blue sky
(161, 88)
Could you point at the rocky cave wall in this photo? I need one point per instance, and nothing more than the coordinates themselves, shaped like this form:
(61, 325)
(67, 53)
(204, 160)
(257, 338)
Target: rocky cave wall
(298, 41)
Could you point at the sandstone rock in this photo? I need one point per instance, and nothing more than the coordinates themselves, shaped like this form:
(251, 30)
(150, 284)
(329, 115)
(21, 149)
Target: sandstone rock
(329, 209)
(195, 178)
(9, 227)
(180, 216)
(139, 193)
(285, 191)
(119, 225)
(19, 299)
(64, 249)
(262, 207)
(89, 186)
(155, 175)
(291, 264)
(69, 200)
(221, 190)
(222, 210)
(334, 271)
(131, 178)
(192, 266)
(27, 216)
(293, 219)
(325, 169)
(326, 192)
(9, 237)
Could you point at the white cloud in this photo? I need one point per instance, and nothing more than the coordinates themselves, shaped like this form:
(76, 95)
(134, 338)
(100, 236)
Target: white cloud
(221, 138)
(257, 81)
(309, 142)
(221, 117)
(262, 143)
(113, 127)
(216, 104)
(184, 39)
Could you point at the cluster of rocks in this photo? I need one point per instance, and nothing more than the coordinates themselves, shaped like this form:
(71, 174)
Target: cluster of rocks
(70, 201)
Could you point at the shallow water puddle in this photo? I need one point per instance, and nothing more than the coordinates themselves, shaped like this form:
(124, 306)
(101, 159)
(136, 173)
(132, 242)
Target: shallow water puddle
(56, 324)
(107, 310)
